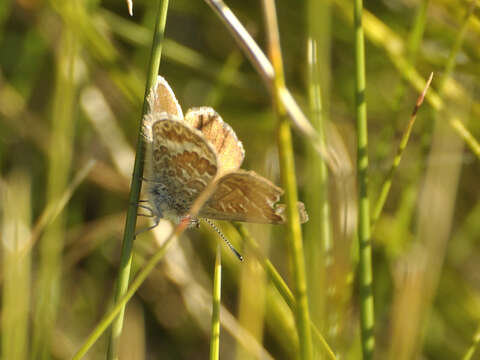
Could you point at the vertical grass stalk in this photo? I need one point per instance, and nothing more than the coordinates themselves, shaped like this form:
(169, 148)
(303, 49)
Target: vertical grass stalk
(280, 284)
(374, 27)
(266, 71)
(317, 231)
(119, 306)
(415, 38)
(131, 221)
(16, 262)
(59, 161)
(216, 296)
(367, 317)
(473, 347)
(287, 168)
(457, 45)
(387, 184)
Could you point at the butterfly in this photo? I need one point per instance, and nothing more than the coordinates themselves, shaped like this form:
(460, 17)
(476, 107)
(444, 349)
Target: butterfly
(185, 154)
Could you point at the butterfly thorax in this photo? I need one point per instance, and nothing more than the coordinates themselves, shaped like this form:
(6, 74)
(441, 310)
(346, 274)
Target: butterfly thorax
(181, 166)
(172, 206)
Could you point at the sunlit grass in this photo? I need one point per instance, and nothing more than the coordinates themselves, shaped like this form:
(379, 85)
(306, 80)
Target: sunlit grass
(72, 81)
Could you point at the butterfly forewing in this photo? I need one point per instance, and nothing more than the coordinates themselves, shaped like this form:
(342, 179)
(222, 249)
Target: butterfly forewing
(244, 196)
(220, 135)
(182, 165)
(162, 99)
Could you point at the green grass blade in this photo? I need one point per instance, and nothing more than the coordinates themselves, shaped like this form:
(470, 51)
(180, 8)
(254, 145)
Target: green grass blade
(413, 44)
(318, 229)
(367, 317)
(381, 35)
(287, 169)
(216, 296)
(51, 244)
(387, 184)
(120, 304)
(16, 264)
(457, 45)
(471, 350)
(130, 224)
(266, 71)
(280, 284)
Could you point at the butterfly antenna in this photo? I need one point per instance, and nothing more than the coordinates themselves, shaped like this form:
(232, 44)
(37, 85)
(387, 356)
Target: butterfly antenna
(229, 244)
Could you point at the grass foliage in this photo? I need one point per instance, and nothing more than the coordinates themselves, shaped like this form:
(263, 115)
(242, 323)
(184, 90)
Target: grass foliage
(73, 75)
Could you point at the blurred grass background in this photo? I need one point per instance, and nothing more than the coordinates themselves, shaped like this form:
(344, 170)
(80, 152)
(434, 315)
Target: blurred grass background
(72, 79)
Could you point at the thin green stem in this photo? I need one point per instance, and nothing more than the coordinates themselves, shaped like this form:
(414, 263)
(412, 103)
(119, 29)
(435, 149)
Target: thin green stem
(266, 71)
(216, 296)
(473, 347)
(60, 159)
(416, 35)
(54, 209)
(131, 221)
(120, 304)
(15, 195)
(228, 72)
(295, 238)
(457, 45)
(413, 43)
(385, 190)
(279, 283)
(381, 35)
(287, 168)
(317, 233)
(367, 318)
(466, 135)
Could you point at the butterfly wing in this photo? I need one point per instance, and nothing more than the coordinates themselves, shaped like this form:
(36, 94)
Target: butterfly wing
(179, 165)
(220, 135)
(247, 196)
(162, 99)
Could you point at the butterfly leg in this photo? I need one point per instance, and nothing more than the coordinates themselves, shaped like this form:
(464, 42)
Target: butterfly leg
(157, 221)
(139, 201)
(145, 215)
(146, 208)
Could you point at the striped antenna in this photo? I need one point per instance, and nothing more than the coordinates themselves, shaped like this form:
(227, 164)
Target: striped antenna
(229, 244)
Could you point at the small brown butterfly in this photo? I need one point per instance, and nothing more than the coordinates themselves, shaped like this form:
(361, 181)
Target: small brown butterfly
(185, 154)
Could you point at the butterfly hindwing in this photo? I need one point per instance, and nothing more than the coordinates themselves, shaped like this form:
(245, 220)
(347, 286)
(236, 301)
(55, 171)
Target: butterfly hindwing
(245, 196)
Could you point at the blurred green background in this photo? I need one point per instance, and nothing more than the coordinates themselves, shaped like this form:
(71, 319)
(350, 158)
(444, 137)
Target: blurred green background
(72, 81)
